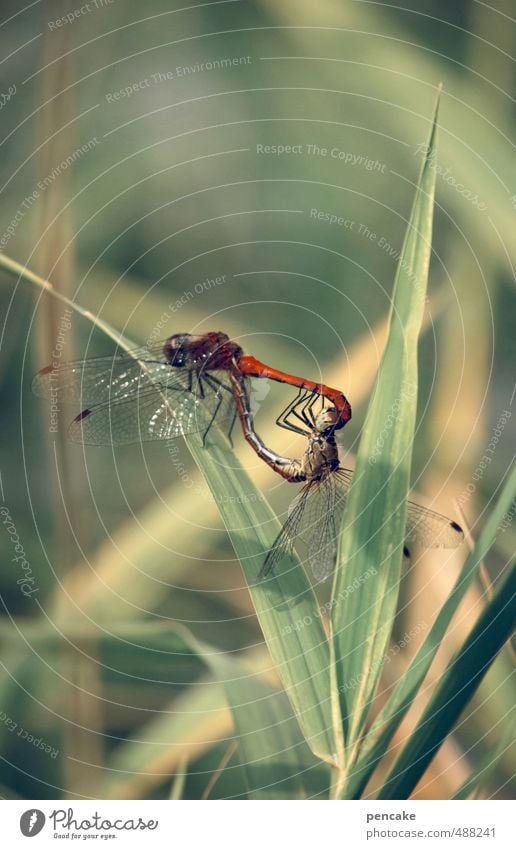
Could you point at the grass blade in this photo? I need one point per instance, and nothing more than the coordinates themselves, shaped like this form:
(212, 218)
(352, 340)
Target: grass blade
(374, 522)
(456, 688)
(390, 717)
(275, 758)
(286, 598)
(285, 603)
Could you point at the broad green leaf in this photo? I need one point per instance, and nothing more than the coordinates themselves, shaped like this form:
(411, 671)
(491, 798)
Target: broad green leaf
(457, 686)
(377, 740)
(374, 522)
(275, 758)
(285, 604)
(497, 693)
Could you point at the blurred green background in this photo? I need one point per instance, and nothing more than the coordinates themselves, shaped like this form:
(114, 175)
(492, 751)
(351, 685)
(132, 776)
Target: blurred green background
(176, 212)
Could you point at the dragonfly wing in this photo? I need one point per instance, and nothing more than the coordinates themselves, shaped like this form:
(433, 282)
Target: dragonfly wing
(431, 530)
(154, 413)
(321, 524)
(314, 518)
(99, 379)
(284, 543)
(424, 526)
(322, 551)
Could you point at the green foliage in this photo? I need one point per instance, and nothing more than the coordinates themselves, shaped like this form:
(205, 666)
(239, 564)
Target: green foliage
(299, 746)
(375, 518)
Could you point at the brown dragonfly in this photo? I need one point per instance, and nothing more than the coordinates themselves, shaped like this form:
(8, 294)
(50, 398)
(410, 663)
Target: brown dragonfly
(315, 515)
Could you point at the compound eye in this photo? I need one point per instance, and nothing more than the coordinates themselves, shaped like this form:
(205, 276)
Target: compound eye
(175, 349)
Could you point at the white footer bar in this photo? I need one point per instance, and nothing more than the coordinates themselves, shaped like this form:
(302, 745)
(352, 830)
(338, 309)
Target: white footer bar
(247, 825)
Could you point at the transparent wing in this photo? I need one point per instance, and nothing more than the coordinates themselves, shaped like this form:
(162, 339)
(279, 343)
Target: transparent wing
(314, 518)
(154, 413)
(424, 527)
(430, 529)
(98, 379)
(322, 522)
(321, 525)
(284, 542)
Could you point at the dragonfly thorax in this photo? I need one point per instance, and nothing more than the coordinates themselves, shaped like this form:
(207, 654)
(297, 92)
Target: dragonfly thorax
(321, 457)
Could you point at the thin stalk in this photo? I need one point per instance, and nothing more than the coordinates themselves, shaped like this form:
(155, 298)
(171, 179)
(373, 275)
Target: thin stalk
(16, 269)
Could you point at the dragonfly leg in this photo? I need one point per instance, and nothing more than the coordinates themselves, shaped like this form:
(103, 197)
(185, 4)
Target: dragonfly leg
(217, 385)
(232, 425)
(210, 423)
(200, 384)
(299, 411)
(307, 410)
(282, 421)
(305, 399)
(283, 418)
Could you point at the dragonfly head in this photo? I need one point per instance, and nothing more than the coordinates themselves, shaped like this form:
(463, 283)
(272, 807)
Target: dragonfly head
(326, 420)
(189, 350)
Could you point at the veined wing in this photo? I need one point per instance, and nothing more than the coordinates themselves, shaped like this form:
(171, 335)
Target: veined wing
(283, 545)
(430, 529)
(98, 379)
(314, 518)
(157, 412)
(320, 525)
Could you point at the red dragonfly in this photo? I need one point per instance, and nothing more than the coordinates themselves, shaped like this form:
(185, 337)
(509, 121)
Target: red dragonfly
(315, 515)
(172, 388)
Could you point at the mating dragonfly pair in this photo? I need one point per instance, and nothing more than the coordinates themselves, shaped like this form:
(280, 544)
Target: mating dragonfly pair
(185, 385)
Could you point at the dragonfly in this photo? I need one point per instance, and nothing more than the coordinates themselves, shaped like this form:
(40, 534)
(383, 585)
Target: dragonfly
(181, 385)
(315, 515)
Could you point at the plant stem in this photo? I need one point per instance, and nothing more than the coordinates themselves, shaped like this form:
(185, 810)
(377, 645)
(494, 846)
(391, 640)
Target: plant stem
(16, 269)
